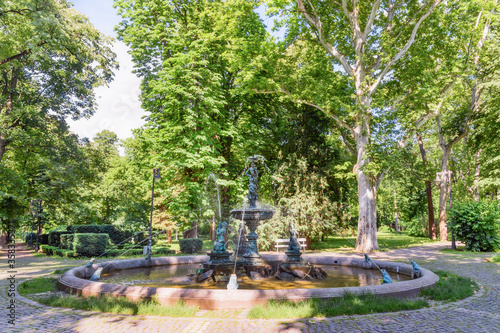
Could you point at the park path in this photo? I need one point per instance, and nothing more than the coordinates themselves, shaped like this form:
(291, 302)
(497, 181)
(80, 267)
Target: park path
(479, 313)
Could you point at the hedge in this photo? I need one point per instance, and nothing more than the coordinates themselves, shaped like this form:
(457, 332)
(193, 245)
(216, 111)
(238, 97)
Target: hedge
(64, 253)
(67, 241)
(43, 239)
(190, 245)
(90, 245)
(55, 237)
(27, 237)
(116, 235)
(47, 249)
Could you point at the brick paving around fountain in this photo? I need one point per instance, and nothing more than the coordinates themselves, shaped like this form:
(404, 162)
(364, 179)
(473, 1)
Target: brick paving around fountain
(479, 313)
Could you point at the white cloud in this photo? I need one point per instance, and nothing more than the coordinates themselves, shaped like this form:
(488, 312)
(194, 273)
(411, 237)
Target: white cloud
(119, 109)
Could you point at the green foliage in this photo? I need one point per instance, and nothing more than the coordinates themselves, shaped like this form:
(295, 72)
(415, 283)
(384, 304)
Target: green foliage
(117, 235)
(495, 258)
(67, 253)
(37, 285)
(349, 304)
(305, 200)
(450, 288)
(90, 245)
(418, 226)
(120, 305)
(477, 224)
(43, 239)
(67, 241)
(28, 236)
(55, 237)
(190, 245)
(48, 249)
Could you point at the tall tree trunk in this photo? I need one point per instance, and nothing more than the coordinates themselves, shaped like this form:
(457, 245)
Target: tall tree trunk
(475, 187)
(443, 194)
(367, 190)
(169, 236)
(396, 225)
(3, 147)
(428, 190)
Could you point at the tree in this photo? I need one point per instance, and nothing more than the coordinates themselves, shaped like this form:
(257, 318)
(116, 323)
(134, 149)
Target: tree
(51, 58)
(446, 80)
(363, 40)
(198, 117)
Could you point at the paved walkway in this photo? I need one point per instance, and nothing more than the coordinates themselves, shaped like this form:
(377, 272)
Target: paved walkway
(479, 313)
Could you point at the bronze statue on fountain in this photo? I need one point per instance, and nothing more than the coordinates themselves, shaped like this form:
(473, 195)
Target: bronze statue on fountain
(219, 258)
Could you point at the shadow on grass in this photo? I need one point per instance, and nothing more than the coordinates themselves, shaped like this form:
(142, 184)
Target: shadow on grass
(348, 305)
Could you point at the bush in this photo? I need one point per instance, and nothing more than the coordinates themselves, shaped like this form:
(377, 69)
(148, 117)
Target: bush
(164, 251)
(47, 249)
(116, 235)
(43, 239)
(476, 224)
(418, 226)
(55, 237)
(90, 245)
(190, 245)
(27, 237)
(67, 241)
(64, 253)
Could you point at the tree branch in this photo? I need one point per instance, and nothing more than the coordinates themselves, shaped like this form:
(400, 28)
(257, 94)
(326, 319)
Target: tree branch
(316, 23)
(410, 41)
(369, 24)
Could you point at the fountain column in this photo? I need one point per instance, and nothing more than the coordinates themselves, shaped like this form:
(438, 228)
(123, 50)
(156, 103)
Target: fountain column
(252, 216)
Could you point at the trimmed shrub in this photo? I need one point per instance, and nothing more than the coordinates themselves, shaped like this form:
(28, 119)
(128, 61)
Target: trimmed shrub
(47, 249)
(43, 239)
(164, 251)
(64, 253)
(67, 241)
(190, 245)
(477, 225)
(116, 235)
(90, 245)
(28, 235)
(55, 237)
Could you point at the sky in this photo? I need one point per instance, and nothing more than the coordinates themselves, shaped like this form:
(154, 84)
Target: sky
(118, 106)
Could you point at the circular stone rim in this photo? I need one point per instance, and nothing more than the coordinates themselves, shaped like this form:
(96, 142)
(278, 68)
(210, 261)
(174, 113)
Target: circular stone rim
(75, 281)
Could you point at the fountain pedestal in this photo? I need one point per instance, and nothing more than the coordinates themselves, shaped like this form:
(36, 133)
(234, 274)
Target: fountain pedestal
(219, 262)
(252, 218)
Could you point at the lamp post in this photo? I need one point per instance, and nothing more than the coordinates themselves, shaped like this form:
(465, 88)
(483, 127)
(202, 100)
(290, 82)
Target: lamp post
(156, 175)
(446, 176)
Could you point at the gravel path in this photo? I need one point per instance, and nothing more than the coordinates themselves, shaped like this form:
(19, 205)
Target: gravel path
(479, 313)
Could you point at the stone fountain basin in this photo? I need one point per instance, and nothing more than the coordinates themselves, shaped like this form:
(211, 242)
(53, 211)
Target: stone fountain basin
(75, 281)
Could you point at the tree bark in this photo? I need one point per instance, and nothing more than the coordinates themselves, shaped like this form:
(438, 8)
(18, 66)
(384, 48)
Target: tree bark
(367, 191)
(475, 187)
(428, 190)
(396, 225)
(169, 236)
(3, 148)
(443, 194)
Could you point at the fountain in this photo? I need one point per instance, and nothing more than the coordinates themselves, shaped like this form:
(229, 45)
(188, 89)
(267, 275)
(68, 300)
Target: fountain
(253, 279)
(252, 216)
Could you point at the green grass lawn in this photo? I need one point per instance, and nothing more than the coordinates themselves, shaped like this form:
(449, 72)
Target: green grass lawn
(386, 241)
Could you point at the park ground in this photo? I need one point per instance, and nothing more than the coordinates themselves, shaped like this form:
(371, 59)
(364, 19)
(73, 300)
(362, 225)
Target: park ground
(478, 313)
